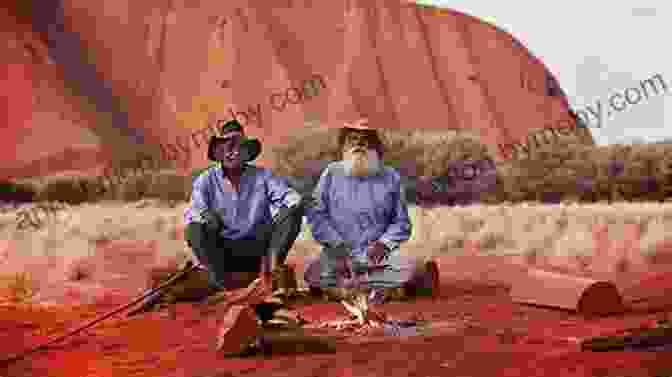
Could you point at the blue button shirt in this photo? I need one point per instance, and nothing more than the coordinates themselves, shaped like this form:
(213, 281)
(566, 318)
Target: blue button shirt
(359, 210)
(261, 195)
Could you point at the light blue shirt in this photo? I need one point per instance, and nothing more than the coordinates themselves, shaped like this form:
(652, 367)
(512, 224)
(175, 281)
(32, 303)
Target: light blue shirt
(359, 210)
(261, 196)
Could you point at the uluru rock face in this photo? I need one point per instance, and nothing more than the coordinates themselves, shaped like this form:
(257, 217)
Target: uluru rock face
(15, 86)
(47, 125)
(177, 65)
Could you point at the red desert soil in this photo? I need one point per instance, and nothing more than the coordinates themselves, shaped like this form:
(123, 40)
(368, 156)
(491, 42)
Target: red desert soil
(491, 336)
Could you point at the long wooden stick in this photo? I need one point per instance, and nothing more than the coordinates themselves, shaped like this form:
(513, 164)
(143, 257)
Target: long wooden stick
(14, 358)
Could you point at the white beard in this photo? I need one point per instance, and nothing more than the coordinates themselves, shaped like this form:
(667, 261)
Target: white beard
(360, 164)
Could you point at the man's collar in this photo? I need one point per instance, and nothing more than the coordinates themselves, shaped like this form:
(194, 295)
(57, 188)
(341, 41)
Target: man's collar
(244, 169)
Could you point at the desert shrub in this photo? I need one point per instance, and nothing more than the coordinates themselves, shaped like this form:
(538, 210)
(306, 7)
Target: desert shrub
(566, 168)
(17, 192)
(169, 186)
(94, 189)
(136, 188)
(465, 182)
(129, 188)
(439, 161)
(66, 190)
(292, 158)
(412, 151)
(585, 190)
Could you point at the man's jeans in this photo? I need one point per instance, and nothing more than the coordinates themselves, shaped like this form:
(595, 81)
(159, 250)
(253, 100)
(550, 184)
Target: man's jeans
(226, 259)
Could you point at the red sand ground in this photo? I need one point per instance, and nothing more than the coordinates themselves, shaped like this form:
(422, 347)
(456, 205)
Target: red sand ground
(494, 337)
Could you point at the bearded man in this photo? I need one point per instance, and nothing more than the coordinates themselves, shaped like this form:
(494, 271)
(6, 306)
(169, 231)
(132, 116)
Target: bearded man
(360, 217)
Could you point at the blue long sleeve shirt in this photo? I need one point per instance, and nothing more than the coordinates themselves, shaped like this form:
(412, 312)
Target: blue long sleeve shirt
(261, 196)
(359, 210)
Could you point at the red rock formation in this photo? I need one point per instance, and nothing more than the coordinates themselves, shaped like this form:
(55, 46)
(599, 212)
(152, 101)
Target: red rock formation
(40, 120)
(179, 64)
(15, 86)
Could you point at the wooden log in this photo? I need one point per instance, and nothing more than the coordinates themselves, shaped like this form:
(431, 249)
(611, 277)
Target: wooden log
(589, 297)
(640, 339)
(295, 342)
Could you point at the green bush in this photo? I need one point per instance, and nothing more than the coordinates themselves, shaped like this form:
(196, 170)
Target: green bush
(169, 187)
(66, 190)
(11, 191)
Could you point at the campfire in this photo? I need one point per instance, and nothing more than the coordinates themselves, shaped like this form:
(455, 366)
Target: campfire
(360, 301)
(363, 317)
(367, 319)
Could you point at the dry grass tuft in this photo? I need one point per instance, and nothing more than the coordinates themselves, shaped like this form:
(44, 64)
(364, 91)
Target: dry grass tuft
(18, 288)
(551, 170)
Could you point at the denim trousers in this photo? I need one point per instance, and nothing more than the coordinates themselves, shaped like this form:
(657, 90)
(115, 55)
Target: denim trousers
(225, 258)
(395, 271)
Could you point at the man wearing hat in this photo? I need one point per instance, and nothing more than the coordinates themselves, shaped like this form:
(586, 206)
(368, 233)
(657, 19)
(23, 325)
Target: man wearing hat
(361, 218)
(230, 224)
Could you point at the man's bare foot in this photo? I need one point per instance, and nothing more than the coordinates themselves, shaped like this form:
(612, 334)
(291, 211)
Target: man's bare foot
(253, 294)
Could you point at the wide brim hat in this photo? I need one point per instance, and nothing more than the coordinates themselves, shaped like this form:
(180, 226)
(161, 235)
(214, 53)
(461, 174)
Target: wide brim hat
(250, 148)
(361, 124)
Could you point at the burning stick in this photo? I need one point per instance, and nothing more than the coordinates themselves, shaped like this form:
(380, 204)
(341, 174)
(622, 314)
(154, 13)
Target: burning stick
(240, 325)
(357, 304)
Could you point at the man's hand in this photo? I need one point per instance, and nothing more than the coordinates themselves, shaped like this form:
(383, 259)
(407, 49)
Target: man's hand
(376, 252)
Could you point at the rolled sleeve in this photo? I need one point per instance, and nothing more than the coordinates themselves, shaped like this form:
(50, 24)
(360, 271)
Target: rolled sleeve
(318, 215)
(400, 227)
(197, 211)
